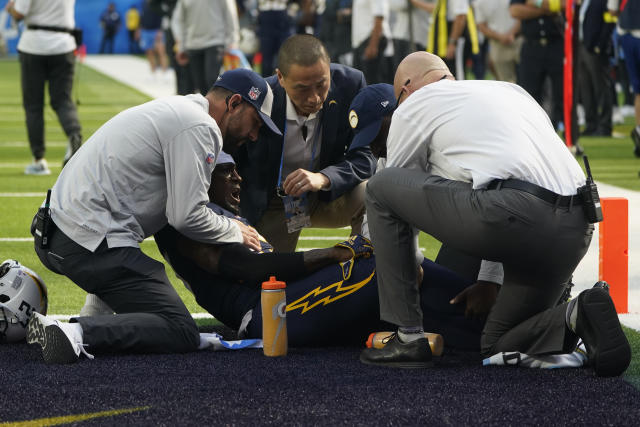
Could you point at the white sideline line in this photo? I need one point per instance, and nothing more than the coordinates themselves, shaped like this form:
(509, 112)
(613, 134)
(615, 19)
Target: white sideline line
(23, 194)
(14, 144)
(23, 164)
(66, 317)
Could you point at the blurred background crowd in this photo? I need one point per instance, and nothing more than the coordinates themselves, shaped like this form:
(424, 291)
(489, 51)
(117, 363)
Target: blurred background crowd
(479, 39)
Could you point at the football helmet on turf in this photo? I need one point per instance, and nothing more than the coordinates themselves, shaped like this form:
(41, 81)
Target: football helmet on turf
(22, 292)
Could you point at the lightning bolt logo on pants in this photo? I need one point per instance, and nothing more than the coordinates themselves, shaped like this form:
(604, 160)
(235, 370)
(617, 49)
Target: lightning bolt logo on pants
(327, 294)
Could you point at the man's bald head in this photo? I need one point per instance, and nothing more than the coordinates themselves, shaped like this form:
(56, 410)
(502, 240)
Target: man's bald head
(419, 69)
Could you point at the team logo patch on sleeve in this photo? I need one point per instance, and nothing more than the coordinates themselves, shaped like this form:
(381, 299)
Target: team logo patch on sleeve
(210, 158)
(353, 119)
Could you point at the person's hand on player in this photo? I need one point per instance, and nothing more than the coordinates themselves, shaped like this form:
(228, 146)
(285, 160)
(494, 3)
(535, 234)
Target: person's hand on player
(478, 298)
(300, 181)
(250, 237)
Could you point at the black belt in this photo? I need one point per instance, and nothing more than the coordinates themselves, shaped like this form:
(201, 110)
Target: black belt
(50, 28)
(540, 192)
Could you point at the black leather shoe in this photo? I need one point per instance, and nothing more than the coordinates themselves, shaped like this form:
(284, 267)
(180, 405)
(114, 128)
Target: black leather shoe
(598, 325)
(414, 354)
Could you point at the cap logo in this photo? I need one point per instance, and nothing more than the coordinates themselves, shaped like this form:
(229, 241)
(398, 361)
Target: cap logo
(210, 158)
(353, 119)
(384, 104)
(254, 93)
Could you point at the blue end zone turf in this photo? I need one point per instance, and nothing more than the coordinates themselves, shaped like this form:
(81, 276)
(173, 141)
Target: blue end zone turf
(307, 387)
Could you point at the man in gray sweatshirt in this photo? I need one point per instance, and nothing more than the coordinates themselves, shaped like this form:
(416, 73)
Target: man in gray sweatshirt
(203, 31)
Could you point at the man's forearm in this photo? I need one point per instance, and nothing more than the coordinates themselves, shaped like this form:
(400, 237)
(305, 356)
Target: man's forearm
(237, 262)
(316, 259)
(457, 28)
(484, 29)
(376, 33)
(13, 12)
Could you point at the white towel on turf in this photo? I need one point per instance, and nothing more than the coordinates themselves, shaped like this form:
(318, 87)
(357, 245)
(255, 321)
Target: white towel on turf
(213, 341)
(571, 360)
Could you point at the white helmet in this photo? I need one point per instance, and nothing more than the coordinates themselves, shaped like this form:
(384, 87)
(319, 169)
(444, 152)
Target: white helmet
(22, 292)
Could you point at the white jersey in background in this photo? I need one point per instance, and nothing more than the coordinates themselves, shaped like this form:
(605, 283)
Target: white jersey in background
(363, 13)
(50, 13)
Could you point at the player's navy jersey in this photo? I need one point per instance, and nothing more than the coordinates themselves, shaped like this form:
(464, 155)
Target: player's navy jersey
(224, 298)
(265, 246)
(324, 308)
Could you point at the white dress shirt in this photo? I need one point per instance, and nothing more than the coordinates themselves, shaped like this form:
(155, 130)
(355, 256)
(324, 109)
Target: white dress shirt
(148, 166)
(298, 152)
(495, 13)
(363, 13)
(51, 13)
(399, 22)
(455, 8)
(477, 131)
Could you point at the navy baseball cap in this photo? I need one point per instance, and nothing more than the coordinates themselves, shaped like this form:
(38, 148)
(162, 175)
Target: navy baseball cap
(370, 105)
(224, 158)
(253, 89)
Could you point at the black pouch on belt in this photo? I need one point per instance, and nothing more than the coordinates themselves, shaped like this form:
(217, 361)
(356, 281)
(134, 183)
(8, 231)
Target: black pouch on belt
(43, 224)
(590, 197)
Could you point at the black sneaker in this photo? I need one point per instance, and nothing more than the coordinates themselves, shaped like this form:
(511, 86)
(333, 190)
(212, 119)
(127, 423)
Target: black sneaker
(414, 354)
(635, 137)
(598, 325)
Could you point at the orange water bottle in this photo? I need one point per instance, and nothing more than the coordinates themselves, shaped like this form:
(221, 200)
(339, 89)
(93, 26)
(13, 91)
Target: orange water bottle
(274, 318)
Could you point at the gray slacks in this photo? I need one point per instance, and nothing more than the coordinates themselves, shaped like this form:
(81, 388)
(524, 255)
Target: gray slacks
(150, 316)
(538, 244)
(58, 71)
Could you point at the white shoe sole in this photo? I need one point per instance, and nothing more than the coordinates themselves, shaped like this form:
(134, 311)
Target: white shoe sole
(44, 172)
(56, 347)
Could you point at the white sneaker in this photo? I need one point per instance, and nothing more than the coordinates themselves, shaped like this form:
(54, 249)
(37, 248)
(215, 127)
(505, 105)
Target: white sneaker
(168, 75)
(617, 118)
(94, 306)
(60, 342)
(38, 167)
(581, 116)
(628, 110)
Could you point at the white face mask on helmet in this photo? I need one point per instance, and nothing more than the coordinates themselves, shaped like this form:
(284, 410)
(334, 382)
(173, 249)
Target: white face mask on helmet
(22, 292)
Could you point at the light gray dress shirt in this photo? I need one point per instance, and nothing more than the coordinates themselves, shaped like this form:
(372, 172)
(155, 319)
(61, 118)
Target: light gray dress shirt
(148, 166)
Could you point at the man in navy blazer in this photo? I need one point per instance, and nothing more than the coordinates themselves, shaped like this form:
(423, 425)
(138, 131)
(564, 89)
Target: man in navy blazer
(311, 161)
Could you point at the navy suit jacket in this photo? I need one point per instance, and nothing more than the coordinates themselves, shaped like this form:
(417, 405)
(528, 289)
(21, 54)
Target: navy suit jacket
(259, 162)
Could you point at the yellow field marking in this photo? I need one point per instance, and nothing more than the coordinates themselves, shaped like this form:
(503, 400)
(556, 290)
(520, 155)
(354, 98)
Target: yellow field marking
(67, 419)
